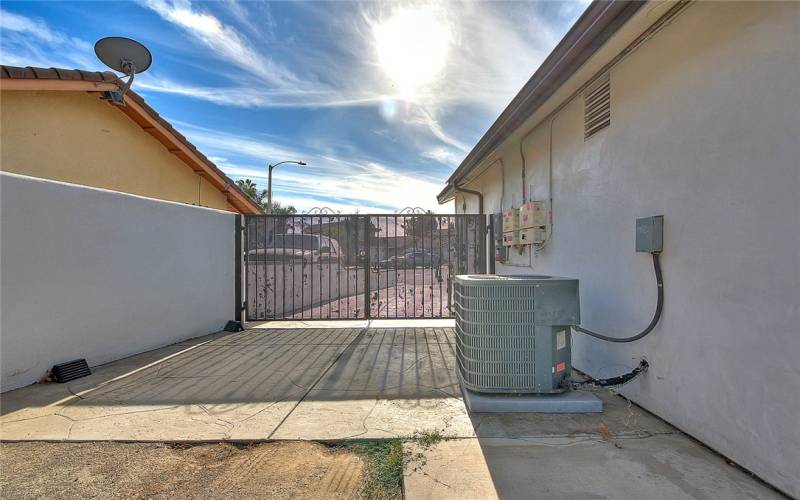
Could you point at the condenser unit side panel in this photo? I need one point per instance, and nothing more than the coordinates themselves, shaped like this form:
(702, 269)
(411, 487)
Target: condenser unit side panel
(557, 303)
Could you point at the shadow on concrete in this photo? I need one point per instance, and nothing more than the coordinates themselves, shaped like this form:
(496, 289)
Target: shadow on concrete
(269, 365)
(257, 384)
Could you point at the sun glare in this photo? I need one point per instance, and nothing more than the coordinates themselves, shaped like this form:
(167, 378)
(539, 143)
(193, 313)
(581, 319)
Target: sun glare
(412, 48)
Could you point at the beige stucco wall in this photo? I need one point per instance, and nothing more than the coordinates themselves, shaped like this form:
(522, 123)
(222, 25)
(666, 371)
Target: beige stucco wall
(705, 124)
(75, 137)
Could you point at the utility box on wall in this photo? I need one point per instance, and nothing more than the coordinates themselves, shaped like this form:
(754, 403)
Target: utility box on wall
(500, 251)
(511, 239)
(532, 214)
(650, 234)
(510, 220)
(532, 235)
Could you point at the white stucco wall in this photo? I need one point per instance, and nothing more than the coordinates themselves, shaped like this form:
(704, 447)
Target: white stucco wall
(706, 131)
(95, 274)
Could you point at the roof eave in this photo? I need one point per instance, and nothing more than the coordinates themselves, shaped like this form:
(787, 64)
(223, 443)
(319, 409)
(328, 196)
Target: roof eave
(601, 20)
(447, 194)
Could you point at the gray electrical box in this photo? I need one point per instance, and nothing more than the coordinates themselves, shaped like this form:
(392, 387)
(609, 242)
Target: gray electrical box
(650, 234)
(500, 251)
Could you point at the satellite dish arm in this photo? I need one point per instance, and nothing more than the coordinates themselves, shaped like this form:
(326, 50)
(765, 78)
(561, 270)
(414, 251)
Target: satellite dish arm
(118, 96)
(130, 70)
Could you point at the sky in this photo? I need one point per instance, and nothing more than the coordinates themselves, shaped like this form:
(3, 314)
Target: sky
(382, 100)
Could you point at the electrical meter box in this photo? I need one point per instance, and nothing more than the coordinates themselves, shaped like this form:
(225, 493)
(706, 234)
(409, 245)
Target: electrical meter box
(500, 252)
(497, 226)
(510, 220)
(532, 235)
(511, 238)
(532, 214)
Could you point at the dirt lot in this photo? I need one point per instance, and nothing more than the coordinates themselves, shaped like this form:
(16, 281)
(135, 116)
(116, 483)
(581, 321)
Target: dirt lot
(104, 470)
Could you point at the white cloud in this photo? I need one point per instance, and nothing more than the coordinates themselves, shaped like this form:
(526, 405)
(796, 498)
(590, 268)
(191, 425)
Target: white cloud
(490, 53)
(444, 155)
(250, 97)
(355, 183)
(27, 41)
(35, 27)
(224, 41)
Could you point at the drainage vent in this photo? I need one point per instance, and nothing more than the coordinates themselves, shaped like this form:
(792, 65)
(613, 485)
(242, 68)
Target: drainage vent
(70, 370)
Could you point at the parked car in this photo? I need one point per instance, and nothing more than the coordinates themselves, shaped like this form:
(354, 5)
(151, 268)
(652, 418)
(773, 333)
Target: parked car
(297, 247)
(414, 258)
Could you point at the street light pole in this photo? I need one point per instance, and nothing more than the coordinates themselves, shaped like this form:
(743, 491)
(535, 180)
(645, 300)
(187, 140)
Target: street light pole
(269, 179)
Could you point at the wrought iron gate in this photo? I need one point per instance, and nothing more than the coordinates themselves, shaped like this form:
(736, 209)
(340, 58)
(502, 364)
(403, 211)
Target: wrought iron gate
(333, 266)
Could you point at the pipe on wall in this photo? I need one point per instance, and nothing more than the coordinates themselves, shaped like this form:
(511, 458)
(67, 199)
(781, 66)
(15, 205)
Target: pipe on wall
(470, 191)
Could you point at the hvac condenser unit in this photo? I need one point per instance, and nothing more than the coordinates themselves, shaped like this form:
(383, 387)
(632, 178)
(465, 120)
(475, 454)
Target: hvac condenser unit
(513, 332)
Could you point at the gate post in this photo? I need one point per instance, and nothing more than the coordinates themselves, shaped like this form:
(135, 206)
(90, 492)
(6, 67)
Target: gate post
(367, 270)
(239, 305)
(483, 231)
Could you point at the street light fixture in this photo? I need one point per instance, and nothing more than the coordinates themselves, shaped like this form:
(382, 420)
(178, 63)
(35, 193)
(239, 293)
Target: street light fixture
(269, 179)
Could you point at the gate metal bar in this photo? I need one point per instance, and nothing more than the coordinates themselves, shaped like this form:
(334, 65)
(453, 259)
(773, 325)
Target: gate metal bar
(357, 266)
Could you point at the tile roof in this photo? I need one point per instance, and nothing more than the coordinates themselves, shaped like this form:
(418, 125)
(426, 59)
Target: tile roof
(31, 73)
(188, 152)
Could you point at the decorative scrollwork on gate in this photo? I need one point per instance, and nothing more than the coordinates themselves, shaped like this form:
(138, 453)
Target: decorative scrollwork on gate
(322, 211)
(414, 210)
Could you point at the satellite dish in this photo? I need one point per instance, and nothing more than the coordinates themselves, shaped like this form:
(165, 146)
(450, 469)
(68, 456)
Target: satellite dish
(125, 55)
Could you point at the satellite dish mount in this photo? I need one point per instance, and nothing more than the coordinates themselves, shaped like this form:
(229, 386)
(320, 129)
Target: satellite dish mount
(125, 55)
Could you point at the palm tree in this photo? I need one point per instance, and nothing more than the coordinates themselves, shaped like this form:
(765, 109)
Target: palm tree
(277, 209)
(250, 189)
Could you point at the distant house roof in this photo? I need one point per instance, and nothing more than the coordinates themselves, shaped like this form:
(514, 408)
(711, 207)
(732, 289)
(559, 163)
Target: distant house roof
(595, 26)
(29, 78)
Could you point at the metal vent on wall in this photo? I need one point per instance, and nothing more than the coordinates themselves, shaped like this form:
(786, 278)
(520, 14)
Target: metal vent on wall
(597, 107)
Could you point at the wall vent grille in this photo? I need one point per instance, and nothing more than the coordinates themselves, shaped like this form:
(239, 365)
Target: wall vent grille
(597, 107)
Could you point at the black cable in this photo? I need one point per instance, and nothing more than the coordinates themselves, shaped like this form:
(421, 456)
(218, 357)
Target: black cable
(614, 381)
(656, 316)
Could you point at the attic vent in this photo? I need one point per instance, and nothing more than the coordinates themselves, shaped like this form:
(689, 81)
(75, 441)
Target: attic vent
(597, 107)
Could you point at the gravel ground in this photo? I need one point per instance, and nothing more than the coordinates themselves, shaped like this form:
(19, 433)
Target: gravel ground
(137, 470)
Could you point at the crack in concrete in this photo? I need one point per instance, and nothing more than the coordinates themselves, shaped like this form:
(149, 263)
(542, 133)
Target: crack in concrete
(364, 421)
(35, 418)
(69, 388)
(109, 415)
(230, 425)
(322, 375)
(262, 410)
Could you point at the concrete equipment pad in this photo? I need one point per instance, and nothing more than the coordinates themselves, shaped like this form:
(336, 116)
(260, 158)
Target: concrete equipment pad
(565, 402)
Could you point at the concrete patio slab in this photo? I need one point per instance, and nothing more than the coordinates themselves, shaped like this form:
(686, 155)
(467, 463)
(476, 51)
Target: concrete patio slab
(287, 383)
(363, 382)
(667, 466)
(295, 383)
